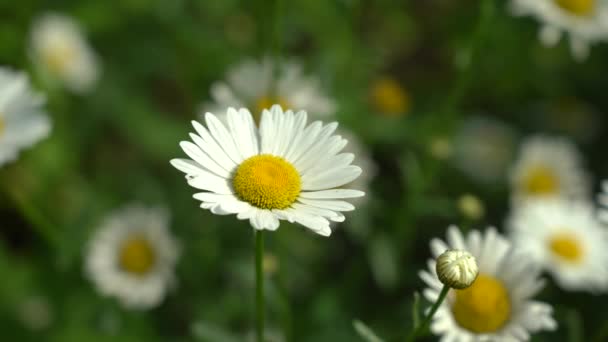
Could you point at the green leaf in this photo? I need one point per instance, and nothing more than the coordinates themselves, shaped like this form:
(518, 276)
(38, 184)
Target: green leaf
(366, 332)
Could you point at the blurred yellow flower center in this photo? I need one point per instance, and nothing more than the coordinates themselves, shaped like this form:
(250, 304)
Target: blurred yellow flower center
(541, 181)
(566, 247)
(59, 57)
(265, 102)
(388, 97)
(2, 124)
(577, 7)
(267, 182)
(137, 256)
(484, 307)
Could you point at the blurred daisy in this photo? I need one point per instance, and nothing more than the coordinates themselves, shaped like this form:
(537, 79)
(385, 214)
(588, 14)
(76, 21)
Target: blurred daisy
(251, 85)
(285, 170)
(586, 21)
(58, 47)
(483, 149)
(132, 257)
(565, 238)
(498, 306)
(548, 167)
(389, 98)
(23, 121)
(603, 201)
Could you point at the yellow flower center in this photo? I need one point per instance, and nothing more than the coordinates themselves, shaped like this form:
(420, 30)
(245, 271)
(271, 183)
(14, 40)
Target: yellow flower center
(541, 181)
(483, 307)
(2, 124)
(567, 247)
(137, 256)
(265, 102)
(389, 98)
(267, 182)
(59, 57)
(577, 7)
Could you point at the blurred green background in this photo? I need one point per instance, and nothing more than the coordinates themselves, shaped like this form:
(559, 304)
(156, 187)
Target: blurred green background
(158, 59)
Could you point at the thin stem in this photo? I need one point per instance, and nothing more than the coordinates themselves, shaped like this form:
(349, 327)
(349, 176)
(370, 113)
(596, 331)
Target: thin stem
(276, 46)
(34, 217)
(259, 284)
(467, 59)
(427, 319)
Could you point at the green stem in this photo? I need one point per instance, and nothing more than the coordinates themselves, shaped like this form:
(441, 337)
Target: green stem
(259, 284)
(34, 217)
(427, 319)
(468, 57)
(276, 45)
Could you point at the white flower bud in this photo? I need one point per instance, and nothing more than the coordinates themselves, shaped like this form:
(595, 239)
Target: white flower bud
(456, 268)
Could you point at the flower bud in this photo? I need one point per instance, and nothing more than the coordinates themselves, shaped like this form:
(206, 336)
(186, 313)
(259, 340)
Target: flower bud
(456, 268)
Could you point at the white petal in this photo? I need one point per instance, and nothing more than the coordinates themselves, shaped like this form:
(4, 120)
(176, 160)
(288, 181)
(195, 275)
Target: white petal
(193, 151)
(317, 224)
(332, 193)
(243, 131)
(331, 178)
(210, 146)
(186, 166)
(312, 210)
(299, 124)
(319, 155)
(334, 161)
(328, 204)
(211, 183)
(223, 137)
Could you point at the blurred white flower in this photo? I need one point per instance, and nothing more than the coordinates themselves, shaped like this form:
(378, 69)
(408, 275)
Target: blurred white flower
(548, 167)
(132, 257)
(23, 121)
(59, 48)
(252, 85)
(483, 149)
(456, 268)
(586, 21)
(498, 306)
(566, 238)
(603, 202)
(283, 170)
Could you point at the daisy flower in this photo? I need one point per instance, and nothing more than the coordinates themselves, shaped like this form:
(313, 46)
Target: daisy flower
(285, 170)
(59, 48)
(23, 121)
(252, 85)
(498, 306)
(586, 21)
(483, 149)
(132, 257)
(548, 167)
(389, 98)
(566, 238)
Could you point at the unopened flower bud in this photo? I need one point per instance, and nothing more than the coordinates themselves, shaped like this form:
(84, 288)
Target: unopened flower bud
(456, 268)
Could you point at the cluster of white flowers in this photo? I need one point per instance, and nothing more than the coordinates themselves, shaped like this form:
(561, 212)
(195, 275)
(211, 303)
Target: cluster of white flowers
(553, 227)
